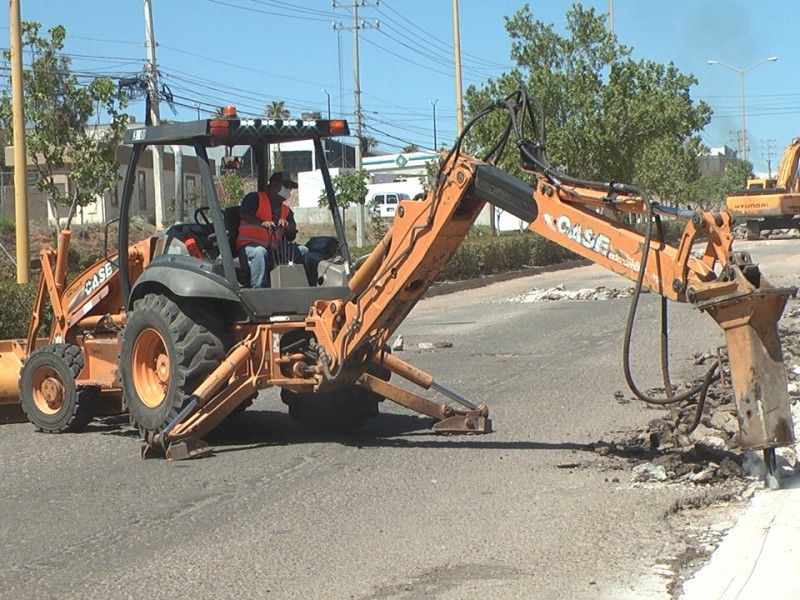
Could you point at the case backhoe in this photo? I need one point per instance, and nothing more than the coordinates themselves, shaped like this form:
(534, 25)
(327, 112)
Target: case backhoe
(61, 381)
(192, 343)
(196, 343)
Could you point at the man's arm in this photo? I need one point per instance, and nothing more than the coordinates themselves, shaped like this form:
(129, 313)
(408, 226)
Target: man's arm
(248, 209)
(290, 229)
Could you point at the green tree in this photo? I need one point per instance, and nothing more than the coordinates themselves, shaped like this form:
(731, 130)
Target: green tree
(411, 148)
(232, 190)
(58, 111)
(710, 191)
(277, 110)
(350, 188)
(606, 115)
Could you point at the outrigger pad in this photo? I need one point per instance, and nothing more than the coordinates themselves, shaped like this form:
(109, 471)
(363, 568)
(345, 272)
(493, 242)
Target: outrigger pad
(188, 448)
(463, 424)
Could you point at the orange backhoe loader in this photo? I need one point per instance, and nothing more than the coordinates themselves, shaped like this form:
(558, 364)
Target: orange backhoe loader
(60, 382)
(197, 343)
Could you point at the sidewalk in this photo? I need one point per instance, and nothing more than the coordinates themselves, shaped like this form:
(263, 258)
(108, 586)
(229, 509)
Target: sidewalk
(758, 558)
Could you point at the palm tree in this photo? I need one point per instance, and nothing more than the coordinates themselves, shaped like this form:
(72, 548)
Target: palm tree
(277, 110)
(368, 144)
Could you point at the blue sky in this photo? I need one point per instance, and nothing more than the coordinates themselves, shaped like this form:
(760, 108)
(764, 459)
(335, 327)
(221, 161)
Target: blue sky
(251, 52)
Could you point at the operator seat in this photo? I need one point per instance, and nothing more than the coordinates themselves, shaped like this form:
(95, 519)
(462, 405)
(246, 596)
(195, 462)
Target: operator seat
(231, 218)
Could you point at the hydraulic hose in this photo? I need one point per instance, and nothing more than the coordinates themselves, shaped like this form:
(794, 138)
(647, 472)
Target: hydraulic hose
(538, 159)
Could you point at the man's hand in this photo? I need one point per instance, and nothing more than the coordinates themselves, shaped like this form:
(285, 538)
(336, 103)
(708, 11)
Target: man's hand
(283, 223)
(268, 225)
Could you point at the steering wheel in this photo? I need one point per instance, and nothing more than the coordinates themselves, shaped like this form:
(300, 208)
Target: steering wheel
(201, 216)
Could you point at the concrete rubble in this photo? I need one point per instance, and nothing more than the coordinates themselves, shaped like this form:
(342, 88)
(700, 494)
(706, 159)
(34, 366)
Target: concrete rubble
(560, 293)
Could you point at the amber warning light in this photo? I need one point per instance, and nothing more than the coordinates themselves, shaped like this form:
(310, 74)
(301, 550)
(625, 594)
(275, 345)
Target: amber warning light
(338, 127)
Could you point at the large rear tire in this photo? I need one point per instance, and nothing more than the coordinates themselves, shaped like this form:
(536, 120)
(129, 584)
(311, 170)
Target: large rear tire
(49, 394)
(339, 410)
(165, 354)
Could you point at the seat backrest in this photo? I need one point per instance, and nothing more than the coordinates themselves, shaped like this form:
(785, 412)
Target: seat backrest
(231, 218)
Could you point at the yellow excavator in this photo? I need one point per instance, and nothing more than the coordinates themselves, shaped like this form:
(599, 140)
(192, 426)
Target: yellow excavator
(768, 204)
(196, 342)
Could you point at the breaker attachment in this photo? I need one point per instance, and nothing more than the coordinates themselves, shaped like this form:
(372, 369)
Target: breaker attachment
(748, 309)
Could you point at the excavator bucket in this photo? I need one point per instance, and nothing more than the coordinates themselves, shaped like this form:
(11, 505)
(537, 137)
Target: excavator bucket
(749, 316)
(11, 354)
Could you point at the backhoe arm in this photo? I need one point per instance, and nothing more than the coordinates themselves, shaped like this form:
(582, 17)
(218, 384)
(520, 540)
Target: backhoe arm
(426, 234)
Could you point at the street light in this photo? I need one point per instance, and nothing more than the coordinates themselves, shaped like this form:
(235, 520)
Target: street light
(433, 104)
(329, 103)
(741, 73)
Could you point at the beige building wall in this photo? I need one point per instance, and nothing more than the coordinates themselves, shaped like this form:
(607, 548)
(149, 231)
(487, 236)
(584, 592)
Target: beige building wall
(106, 207)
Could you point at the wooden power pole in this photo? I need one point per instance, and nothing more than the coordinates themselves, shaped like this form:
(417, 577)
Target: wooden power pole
(20, 154)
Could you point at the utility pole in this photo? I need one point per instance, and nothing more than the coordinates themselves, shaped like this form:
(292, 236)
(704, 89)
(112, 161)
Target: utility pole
(457, 45)
(611, 16)
(767, 153)
(360, 212)
(741, 73)
(20, 154)
(153, 115)
(433, 104)
(324, 91)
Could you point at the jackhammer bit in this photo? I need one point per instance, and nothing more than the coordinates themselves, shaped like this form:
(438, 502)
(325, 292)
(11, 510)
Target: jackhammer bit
(772, 478)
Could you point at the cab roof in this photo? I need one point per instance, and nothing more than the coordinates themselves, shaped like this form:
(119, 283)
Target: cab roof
(236, 131)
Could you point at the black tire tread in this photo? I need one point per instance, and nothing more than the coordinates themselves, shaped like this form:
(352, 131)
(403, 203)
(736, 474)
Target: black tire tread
(331, 412)
(81, 412)
(198, 347)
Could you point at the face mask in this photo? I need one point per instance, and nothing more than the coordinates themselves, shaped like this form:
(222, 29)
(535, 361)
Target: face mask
(284, 191)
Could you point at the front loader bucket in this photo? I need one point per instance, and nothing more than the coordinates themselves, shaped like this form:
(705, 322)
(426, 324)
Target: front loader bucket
(12, 353)
(758, 374)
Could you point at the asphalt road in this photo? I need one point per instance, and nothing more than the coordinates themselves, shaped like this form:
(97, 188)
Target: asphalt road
(391, 511)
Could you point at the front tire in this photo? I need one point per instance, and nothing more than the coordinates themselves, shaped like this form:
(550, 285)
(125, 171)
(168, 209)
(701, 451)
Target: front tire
(49, 394)
(165, 354)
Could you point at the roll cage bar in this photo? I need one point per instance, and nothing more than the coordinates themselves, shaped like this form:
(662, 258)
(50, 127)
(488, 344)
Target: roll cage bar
(258, 134)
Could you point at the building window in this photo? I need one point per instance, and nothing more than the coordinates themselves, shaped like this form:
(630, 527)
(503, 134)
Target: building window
(142, 185)
(297, 161)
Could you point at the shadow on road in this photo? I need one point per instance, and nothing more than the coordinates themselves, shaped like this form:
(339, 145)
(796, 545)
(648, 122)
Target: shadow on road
(256, 429)
(265, 428)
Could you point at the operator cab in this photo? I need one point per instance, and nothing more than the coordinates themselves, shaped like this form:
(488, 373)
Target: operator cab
(198, 257)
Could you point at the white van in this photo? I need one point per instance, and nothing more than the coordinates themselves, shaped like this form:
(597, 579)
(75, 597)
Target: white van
(387, 202)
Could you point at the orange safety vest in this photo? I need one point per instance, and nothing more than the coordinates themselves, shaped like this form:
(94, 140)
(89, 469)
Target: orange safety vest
(258, 234)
